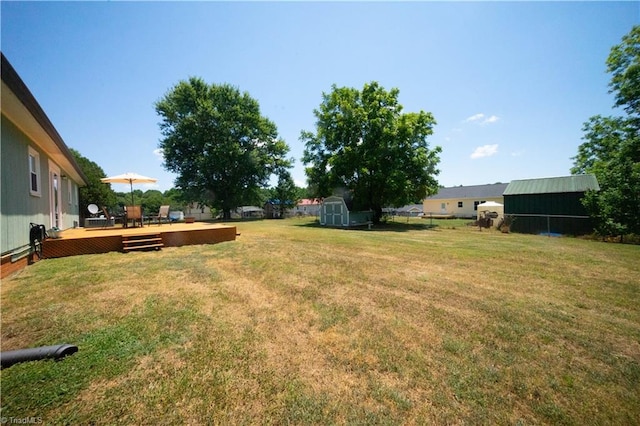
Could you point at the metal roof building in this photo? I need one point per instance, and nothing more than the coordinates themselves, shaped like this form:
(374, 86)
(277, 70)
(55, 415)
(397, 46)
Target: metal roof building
(555, 185)
(550, 204)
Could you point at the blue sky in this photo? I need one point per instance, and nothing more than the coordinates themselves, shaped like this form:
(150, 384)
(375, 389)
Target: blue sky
(510, 84)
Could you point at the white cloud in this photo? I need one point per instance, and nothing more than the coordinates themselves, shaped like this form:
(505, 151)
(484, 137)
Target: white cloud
(158, 153)
(485, 151)
(475, 117)
(491, 119)
(482, 119)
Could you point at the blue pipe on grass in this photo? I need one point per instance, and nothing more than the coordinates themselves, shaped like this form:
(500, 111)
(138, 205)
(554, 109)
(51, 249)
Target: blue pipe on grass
(56, 352)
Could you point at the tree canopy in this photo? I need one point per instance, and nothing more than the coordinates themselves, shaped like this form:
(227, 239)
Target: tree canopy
(624, 65)
(95, 192)
(285, 193)
(611, 147)
(365, 147)
(150, 200)
(218, 143)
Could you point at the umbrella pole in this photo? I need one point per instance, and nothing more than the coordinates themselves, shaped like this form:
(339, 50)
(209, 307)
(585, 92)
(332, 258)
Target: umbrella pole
(131, 183)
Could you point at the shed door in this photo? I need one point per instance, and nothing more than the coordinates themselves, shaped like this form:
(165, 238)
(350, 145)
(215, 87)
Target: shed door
(337, 214)
(333, 214)
(330, 214)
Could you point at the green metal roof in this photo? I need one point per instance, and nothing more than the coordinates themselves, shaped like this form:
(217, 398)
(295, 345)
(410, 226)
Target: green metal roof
(577, 183)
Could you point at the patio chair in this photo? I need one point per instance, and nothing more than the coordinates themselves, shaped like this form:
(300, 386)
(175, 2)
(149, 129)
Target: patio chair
(37, 234)
(163, 213)
(108, 219)
(134, 214)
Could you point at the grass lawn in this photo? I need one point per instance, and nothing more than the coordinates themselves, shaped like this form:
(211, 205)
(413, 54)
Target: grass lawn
(297, 324)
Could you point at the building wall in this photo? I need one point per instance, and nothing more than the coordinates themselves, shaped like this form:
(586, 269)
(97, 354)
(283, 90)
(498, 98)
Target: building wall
(334, 212)
(19, 208)
(306, 210)
(554, 204)
(452, 207)
(271, 211)
(199, 212)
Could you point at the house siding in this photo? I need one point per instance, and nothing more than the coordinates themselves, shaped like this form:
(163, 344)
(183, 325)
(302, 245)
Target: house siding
(25, 130)
(446, 201)
(451, 206)
(307, 208)
(18, 208)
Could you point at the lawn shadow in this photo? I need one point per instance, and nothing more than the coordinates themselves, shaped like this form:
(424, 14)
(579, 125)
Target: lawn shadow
(382, 227)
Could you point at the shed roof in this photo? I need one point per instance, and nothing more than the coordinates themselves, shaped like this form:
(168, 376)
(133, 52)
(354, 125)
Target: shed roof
(477, 192)
(554, 185)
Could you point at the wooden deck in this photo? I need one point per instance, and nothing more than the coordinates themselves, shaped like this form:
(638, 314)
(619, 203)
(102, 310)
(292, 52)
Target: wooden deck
(73, 242)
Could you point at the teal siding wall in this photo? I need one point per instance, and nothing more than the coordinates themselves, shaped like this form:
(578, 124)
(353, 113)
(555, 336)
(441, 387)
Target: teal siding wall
(359, 218)
(19, 207)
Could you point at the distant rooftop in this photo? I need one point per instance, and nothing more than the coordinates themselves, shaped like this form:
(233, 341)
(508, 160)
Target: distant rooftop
(309, 202)
(564, 184)
(410, 207)
(477, 192)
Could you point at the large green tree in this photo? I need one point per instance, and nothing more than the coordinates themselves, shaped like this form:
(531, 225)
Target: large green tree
(218, 143)
(95, 192)
(365, 147)
(611, 147)
(286, 193)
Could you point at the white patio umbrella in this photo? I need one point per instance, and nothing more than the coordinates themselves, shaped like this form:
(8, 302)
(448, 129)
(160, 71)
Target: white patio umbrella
(490, 204)
(129, 178)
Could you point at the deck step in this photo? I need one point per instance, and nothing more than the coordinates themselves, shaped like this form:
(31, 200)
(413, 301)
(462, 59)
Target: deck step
(143, 247)
(141, 242)
(126, 240)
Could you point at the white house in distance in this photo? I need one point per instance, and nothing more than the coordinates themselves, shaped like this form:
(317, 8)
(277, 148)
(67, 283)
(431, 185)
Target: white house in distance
(462, 201)
(307, 207)
(197, 211)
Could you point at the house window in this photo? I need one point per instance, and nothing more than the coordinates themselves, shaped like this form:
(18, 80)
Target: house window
(460, 204)
(70, 191)
(34, 172)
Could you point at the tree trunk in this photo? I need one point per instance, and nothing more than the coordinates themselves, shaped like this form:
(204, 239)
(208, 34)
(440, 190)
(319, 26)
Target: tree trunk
(226, 213)
(377, 215)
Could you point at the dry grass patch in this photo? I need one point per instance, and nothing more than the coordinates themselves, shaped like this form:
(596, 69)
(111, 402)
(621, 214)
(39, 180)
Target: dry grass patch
(297, 324)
